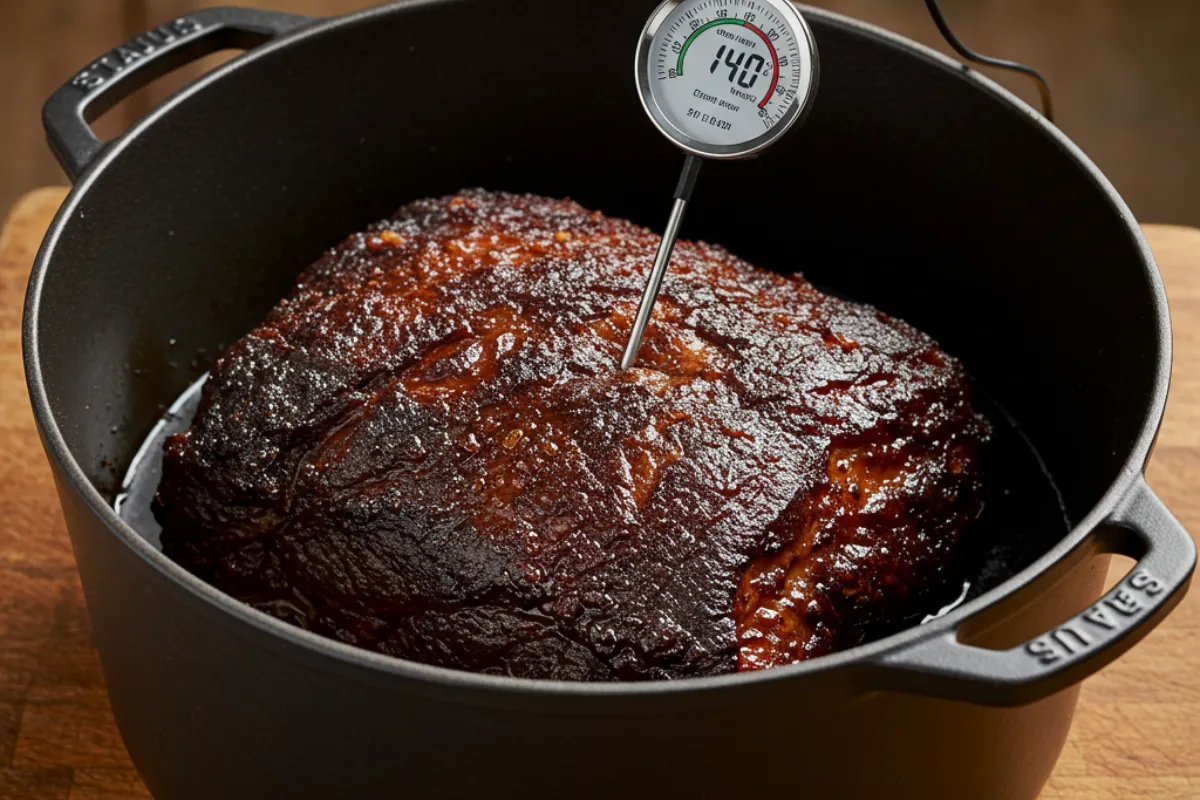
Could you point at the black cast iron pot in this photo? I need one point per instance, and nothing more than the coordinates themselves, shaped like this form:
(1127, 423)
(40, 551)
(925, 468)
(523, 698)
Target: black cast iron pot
(915, 184)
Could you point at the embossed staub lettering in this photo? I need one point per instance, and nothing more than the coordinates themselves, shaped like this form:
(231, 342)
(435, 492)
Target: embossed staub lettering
(137, 49)
(1116, 611)
(1124, 602)
(1098, 615)
(1144, 581)
(1070, 639)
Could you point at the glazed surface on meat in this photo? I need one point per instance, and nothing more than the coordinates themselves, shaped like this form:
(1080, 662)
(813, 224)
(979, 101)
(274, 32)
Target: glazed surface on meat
(428, 450)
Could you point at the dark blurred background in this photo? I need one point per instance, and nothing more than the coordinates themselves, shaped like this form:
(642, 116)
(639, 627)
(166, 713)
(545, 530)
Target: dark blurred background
(1125, 75)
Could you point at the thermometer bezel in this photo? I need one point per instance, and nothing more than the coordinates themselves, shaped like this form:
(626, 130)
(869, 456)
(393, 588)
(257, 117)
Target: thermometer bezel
(795, 112)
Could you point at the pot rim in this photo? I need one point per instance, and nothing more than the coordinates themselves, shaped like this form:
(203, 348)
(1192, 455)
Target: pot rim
(349, 655)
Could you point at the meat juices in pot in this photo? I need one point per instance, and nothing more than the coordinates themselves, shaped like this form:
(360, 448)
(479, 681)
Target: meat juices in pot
(427, 450)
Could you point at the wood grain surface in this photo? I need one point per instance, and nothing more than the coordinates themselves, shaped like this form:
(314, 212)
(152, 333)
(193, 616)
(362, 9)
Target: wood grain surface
(1136, 734)
(42, 44)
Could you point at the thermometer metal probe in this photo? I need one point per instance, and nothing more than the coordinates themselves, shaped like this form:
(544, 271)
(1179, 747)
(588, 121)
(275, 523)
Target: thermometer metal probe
(722, 79)
(683, 193)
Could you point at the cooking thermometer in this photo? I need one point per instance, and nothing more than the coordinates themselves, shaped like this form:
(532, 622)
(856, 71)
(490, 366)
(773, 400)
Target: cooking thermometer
(721, 79)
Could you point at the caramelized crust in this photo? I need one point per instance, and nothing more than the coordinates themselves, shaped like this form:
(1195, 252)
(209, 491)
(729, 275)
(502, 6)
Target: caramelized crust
(427, 450)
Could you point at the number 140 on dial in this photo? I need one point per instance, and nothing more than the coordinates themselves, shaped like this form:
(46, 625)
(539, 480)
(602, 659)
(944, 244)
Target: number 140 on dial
(720, 71)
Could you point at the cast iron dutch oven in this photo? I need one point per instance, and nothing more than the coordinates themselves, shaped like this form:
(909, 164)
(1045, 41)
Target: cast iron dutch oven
(915, 184)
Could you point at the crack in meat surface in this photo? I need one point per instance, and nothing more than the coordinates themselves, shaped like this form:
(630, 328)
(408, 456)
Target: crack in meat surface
(427, 450)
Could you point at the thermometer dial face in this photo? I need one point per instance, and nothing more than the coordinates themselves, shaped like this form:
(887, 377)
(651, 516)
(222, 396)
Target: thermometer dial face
(725, 78)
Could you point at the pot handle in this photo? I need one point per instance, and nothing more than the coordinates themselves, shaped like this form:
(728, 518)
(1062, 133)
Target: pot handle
(115, 75)
(1141, 527)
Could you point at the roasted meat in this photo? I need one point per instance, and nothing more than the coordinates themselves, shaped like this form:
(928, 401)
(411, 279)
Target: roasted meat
(427, 449)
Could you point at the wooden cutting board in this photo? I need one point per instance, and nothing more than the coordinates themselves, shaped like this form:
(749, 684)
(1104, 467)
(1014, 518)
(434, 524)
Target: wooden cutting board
(1136, 734)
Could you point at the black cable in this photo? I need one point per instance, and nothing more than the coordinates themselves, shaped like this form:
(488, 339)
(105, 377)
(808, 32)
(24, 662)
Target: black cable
(970, 55)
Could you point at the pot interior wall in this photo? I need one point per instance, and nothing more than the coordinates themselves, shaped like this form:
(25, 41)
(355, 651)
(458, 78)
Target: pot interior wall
(908, 187)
